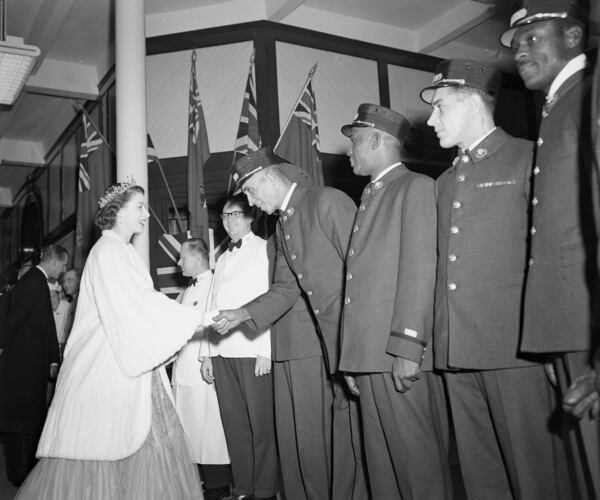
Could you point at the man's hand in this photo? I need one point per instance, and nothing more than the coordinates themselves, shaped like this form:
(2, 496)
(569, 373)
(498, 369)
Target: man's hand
(206, 370)
(352, 385)
(262, 366)
(230, 318)
(404, 373)
(582, 397)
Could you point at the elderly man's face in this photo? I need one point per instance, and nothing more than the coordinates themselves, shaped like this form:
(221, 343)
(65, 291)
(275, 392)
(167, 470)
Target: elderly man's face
(540, 53)
(261, 192)
(70, 283)
(361, 150)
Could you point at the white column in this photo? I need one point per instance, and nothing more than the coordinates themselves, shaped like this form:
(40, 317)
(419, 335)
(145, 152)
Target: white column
(130, 85)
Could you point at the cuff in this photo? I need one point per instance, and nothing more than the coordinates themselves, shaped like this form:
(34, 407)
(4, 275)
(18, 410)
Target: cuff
(405, 346)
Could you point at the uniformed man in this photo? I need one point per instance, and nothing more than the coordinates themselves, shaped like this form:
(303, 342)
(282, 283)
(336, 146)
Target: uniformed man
(313, 233)
(500, 400)
(561, 294)
(387, 317)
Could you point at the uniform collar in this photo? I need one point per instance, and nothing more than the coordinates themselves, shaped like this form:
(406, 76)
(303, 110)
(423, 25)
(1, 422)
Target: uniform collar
(578, 63)
(486, 146)
(385, 171)
(286, 200)
(295, 199)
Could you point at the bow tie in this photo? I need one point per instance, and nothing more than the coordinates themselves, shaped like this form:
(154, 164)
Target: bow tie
(233, 245)
(193, 282)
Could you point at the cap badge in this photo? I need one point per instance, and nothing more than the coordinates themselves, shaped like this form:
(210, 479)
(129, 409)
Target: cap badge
(437, 77)
(517, 16)
(290, 211)
(236, 176)
(481, 152)
(378, 185)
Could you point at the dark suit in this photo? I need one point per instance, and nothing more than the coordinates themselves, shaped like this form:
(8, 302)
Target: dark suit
(388, 313)
(29, 347)
(561, 302)
(303, 397)
(504, 445)
(313, 234)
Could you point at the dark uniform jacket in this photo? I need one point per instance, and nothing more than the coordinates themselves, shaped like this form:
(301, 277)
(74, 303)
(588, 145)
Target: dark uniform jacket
(29, 347)
(482, 240)
(562, 276)
(294, 335)
(390, 279)
(314, 232)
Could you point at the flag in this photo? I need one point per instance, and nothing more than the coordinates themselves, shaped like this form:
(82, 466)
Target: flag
(170, 279)
(198, 154)
(150, 151)
(248, 138)
(91, 142)
(96, 173)
(299, 142)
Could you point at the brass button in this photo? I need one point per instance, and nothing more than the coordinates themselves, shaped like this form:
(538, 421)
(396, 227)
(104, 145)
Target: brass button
(452, 257)
(460, 178)
(456, 204)
(316, 311)
(293, 256)
(534, 201)
(348, 276)
(351, 252)
(531, 262)
(309, 293)
(451, 286)
(347, 300)
(299, 276)
(453, 229)
(540, 141)
(536, 170)
(355, 228)
(287, 236)
(533, 230)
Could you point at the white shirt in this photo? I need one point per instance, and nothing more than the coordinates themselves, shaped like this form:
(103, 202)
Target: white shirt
(42, 269)
(186, 370)
(123, 330)
(472, 146)
(240, 276)
(576, 64)
(60, 319)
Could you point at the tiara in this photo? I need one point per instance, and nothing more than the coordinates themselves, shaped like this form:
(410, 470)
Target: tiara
(115, 189)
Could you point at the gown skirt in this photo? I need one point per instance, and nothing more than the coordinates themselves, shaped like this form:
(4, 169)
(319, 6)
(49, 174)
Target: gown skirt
(161, 469)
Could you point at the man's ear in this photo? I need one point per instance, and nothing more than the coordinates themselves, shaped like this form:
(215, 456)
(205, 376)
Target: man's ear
(376, 140)
(573, 36)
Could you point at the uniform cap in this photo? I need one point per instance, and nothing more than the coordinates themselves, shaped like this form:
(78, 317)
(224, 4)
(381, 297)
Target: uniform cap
(379, 117)
(533, 11)
(463, 73)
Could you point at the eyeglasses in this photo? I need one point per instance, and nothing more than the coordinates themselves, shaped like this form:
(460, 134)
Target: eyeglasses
(235, 214)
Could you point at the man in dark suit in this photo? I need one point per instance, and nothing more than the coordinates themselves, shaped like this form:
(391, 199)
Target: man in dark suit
(300, 378)
(560, 312)
(313, 232)
(28, 360)
(501, 401)
(387, 317)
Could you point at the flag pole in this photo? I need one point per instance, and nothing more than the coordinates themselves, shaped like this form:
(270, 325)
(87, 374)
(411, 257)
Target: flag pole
(308, 79)
(164, 178)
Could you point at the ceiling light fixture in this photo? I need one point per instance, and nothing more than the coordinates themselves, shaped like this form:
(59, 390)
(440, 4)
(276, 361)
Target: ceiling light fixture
(16, 62)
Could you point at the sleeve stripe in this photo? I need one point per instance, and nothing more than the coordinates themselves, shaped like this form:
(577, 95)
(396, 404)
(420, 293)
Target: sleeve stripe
(409, 338)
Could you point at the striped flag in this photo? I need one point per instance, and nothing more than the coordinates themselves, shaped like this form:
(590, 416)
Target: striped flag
(299, 142)
(170, 280)
(91, 142)
(248, 138)
(198, 154)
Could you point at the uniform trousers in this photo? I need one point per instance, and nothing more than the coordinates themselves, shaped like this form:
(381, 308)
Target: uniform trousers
(502, 426)
(303, 418)
(246, 404)
(319, 447)
(406, 438)
(582, 437)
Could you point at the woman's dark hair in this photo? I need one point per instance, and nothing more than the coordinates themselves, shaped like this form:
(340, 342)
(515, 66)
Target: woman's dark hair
(106, 215)
(241, 201)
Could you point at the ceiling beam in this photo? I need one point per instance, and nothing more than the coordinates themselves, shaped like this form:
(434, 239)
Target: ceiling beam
(451, 24)
(278, 10)
(64, 79)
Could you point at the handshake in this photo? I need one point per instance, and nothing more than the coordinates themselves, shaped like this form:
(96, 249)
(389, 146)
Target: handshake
(223, 321)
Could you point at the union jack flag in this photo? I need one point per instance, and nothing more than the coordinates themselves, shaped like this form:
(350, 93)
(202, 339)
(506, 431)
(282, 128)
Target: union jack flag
(248, 138)
(198, 155)
(91, 143)
(299, 142)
